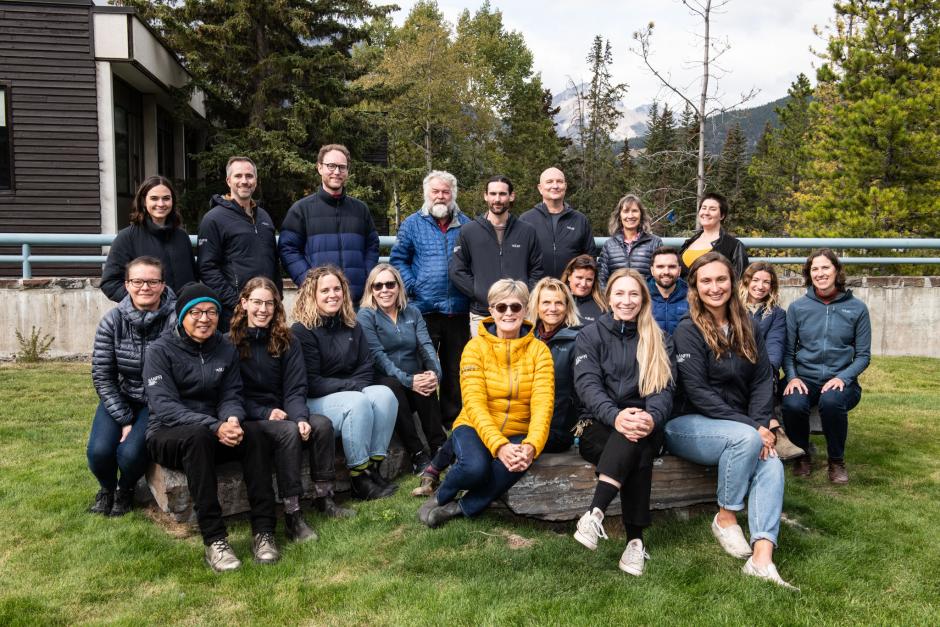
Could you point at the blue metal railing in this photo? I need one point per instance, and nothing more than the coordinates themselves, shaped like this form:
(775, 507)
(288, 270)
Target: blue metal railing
(27, 240)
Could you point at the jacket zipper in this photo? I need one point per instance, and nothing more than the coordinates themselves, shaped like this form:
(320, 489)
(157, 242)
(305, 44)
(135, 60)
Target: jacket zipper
(509, 396)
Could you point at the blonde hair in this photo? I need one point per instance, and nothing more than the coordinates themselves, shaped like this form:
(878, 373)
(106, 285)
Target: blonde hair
(551, 284)
(507, 288)
(767, 305)
(305, 308)
(740, 340)
(655, 367)
(368, 300)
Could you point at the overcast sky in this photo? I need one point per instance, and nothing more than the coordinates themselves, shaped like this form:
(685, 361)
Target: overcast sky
(770, 40)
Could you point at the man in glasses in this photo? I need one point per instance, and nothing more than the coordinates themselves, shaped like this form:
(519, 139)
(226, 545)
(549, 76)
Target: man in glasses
(236, 239)
(329, 227)
(197, 418)
(494, 246)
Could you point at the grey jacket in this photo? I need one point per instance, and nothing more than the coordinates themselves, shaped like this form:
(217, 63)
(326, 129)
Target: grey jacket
(617, 254)
(402, 348)
(121, 342)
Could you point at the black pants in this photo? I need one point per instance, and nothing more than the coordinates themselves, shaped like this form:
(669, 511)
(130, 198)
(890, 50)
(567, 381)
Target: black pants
(429, 414)
(630, 463)
(284, 441)
(196, 450)
(321, 446)
(449, 333)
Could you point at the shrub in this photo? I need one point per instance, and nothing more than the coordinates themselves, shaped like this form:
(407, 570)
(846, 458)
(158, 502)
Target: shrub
(34, 347)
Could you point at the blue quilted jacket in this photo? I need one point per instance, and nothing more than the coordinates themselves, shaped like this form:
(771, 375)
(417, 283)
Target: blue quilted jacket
(422, 254)
(320, 229)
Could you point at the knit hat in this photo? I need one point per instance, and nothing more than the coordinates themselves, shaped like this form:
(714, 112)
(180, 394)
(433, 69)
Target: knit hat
(191, 295)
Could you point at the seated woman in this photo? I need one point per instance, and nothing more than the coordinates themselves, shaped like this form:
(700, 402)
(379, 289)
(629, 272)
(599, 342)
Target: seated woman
(341, 378)
(155, 231)
(405, 360)
(828, 347)
(197, 419)
(507, 382)
(759, 290)
(275, 392)
(117, 440)
(630, 244)
(552, 310)
(580, 276)
(723, 413)
(625, 380)
(712, 237)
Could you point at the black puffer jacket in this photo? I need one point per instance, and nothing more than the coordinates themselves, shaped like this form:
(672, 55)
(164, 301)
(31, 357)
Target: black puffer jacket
(121, 342)
(479, 259)
(168, 244)
(731, 388)
(189, 383)
(617, 254)
(565, 415)
(561, 244)
(729, 246)
(273, 382)
(337, 357)
(233, 248)
(607, 375)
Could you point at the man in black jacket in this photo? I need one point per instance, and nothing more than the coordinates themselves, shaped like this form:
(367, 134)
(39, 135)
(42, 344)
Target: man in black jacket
(563, 232)
(197, 419)
(494, 246)
(236, 239)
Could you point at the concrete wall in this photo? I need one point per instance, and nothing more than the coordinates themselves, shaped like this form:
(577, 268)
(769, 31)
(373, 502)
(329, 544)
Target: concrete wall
(905, 312)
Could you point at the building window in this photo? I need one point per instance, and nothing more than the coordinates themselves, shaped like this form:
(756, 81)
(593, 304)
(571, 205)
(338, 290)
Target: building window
(6, 156)
(166, 144)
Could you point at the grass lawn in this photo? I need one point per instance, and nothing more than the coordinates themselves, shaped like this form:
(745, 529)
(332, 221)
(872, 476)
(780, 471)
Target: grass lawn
(863, 553)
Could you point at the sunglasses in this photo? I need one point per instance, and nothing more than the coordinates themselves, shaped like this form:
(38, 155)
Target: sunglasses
(502, 307)
(389, 285)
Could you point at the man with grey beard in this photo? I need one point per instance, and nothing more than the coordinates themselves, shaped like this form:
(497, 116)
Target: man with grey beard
(422, 252)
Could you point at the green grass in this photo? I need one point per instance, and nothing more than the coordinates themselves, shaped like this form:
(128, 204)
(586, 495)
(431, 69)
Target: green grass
(865, 553)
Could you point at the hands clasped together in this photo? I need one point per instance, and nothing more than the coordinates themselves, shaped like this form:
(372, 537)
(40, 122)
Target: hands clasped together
(516, 457)
(424, 383)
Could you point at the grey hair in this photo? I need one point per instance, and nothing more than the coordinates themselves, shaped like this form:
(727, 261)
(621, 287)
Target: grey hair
(236, 159)
(448, 178)
(508, 288)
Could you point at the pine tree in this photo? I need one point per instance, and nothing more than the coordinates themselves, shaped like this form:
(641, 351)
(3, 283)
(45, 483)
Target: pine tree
(731, 179)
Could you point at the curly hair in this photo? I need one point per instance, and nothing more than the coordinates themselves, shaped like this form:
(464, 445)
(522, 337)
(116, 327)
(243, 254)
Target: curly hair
(305, 307)
(740, 340)
(279, 336)
(767, 305)
(586, 262)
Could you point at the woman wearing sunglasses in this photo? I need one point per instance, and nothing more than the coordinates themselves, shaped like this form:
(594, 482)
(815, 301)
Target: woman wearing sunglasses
(405, 360)
(507, 380)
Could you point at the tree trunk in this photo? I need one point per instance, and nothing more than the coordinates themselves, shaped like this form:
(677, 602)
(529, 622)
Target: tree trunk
(700, 178)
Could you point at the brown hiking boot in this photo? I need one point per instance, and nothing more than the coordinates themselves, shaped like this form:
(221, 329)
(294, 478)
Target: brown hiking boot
(837, 472)
(803, 466)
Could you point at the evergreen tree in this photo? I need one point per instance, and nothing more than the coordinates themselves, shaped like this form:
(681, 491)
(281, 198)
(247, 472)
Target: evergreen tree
(874, 167)
(731, 179)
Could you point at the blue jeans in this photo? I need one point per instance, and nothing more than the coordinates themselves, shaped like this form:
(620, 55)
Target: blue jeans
(834, 407)
(735, 447)
(365, 420)
(483, 476)
(107, 454)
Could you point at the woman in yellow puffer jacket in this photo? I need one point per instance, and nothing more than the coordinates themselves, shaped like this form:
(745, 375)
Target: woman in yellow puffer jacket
(507, 380)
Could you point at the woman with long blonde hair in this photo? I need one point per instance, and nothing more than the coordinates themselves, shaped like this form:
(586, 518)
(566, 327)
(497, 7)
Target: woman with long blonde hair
(341, 378)
(624, 376)
(724, 420)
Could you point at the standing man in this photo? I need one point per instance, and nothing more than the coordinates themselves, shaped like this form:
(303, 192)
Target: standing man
(563, 232)
(236, 239)
(494, 246)
(667, 291)
(421, 254)
(329, 227)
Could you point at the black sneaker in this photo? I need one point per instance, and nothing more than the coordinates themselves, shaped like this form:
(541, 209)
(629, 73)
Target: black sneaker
(420, 461)
(104, 501)
(123, 502)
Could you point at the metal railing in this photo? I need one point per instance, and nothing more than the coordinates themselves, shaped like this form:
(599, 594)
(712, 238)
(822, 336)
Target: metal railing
(27, 259)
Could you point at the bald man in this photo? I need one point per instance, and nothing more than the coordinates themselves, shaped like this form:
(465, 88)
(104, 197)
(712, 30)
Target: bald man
(563, 232)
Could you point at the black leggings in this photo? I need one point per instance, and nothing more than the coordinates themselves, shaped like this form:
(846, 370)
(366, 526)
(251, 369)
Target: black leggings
(429, 414)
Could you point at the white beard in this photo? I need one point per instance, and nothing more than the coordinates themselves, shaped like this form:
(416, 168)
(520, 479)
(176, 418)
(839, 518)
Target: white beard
(439, 211)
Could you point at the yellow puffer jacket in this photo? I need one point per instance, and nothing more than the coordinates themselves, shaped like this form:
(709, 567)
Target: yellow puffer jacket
(508, 388)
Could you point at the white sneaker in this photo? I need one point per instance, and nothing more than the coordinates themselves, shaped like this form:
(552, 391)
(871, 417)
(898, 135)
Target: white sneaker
(633, 560)
(769, 573)
(732, 540)
(590, 528)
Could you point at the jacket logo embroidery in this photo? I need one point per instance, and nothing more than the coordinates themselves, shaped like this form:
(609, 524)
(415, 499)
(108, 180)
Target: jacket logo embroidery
(516, 245)
(570, 228)
(577, 360)
(202, 241)
(154, 380)
(681, 357)
(220, 369)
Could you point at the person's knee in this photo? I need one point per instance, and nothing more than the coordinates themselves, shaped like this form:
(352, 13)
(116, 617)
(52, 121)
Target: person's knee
(832, 403)
(795, 403)
(358, 406)
(748, 439)
(285, 434)
(100, 452)
(320, 427)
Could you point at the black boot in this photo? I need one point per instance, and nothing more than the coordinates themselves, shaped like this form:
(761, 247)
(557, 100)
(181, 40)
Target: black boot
(327, 506)
(297, 529)
(123, 502)
(420, 461)
(379, 480)
(104, 501)
(366, 489)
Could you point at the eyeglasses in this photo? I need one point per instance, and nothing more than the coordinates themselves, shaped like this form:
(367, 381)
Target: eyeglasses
(502, 307)
(262, 304)
(389, 285)
(197, 314)
(336, 167)
(139, 283)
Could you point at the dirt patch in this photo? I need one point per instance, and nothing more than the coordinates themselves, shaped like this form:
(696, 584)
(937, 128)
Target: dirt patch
(165, 521)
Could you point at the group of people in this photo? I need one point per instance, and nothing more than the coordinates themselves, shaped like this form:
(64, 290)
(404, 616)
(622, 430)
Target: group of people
(505, 332)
